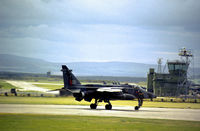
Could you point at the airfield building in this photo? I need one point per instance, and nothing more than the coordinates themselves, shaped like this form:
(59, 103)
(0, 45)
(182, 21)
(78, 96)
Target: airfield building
(173, 83)
(49, 74)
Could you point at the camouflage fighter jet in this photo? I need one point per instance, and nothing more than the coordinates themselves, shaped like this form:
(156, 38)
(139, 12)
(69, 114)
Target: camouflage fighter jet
(102, 92)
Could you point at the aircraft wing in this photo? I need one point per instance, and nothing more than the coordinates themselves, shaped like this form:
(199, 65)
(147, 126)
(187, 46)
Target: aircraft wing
(108, 90)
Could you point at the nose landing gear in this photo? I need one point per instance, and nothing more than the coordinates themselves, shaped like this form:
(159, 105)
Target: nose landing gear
(93, 106)
(108, 106)
(140, 102)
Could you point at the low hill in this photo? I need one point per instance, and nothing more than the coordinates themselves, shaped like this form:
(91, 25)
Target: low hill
(12, 63)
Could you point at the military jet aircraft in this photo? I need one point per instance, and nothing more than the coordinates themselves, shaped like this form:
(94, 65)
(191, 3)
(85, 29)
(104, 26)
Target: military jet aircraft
(104, 92)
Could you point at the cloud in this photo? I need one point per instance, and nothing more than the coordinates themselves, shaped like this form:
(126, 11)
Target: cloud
(152, 13)
(104, 30)
(165, 53)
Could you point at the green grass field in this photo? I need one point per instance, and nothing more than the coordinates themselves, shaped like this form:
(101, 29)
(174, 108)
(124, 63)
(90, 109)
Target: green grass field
(33, 122)
(45, 81)
(71, 101)
(49, 86)
(142, 83)
(197, 81)
(5, 85)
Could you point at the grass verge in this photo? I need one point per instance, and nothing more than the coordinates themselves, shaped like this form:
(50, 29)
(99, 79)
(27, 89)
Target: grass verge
(5, 85)
(32, 122)
(71, 101)
(48, 86)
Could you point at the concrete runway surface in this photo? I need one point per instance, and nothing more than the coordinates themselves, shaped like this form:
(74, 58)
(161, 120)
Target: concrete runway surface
(117, 111)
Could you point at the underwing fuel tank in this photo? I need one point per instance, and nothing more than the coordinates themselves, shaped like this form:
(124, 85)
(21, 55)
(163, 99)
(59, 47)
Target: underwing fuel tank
(128, 97)
(123, 97)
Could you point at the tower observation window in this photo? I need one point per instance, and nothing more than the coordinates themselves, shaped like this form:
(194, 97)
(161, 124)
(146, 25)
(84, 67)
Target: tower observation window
(184, 67)
(177, 67)
(171, 66)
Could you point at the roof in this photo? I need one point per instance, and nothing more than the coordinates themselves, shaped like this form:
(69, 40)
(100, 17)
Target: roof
(176, 61)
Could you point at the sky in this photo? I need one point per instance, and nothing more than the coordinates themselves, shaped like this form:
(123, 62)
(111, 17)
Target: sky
(100, 30)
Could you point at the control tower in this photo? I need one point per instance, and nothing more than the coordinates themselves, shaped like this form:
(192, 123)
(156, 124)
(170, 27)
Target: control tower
(175, 82)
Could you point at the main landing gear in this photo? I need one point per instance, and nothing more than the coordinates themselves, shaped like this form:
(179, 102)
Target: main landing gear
(107, 106)
(140, 102)
(94, 105)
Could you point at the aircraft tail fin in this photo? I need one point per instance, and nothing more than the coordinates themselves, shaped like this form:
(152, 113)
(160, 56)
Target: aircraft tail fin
(68, 77)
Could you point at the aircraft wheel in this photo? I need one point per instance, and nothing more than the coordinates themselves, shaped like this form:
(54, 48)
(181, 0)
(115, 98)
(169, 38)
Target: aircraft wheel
(93, 106)
(108, 107)
(137, 108)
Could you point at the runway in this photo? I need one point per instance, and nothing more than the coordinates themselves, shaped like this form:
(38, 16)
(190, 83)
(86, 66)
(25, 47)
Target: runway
(117, 111)
(29, 86)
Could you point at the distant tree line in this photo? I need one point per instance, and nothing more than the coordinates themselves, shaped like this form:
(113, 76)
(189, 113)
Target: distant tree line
(32, 76)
